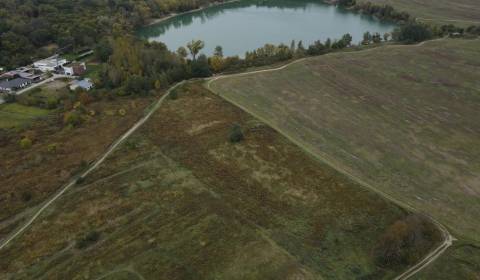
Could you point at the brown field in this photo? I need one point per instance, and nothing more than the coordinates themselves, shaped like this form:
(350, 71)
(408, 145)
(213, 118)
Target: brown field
(403, 119)
(179, 201)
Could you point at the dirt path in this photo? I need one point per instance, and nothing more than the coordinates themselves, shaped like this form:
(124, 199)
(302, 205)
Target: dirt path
(447, 20)
(447, 237)
(94, 166)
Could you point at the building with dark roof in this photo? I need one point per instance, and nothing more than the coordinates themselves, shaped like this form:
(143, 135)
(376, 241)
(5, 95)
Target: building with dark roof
(14, 84)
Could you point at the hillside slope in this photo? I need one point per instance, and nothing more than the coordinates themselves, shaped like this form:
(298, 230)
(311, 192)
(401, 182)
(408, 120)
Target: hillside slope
(402, 118)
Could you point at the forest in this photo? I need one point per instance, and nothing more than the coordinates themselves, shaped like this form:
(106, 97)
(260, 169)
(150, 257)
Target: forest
(33, 28)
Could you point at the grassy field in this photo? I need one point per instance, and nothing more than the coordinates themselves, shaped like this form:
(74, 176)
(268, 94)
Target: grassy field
(404, 119)
(458, 12)
(178, 200)
(16, 115)
(29, 176)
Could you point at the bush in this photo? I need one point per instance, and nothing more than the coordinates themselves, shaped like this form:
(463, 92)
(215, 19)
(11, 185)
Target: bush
(173, 95)
(72, 118)
(236, 134)
(405, 241)
(122, 112)
(52, 102)
(80, 180)
(90, 238)
(10, 98)
(25, 143)
(26, 196)
(52, 148)
(132, 144)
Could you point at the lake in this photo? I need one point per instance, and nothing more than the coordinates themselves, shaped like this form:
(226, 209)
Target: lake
(249, 24)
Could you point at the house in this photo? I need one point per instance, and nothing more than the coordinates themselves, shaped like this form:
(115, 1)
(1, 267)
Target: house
(74, 69)
(14, 84)
(85, 84)
(50, 64)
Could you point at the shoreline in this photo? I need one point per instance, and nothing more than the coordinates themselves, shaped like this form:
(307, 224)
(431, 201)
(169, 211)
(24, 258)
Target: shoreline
(171, 15)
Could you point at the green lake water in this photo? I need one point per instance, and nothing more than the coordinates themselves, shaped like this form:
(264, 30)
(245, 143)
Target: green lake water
(249, 24)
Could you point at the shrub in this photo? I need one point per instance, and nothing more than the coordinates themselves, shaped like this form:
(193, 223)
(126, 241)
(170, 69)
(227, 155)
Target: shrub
(87, 240)
(26, 143)
(122, 112)
(26, 196)
(72, 118)
(85, 98)
(236, 134)
(173, 95)
(52, 102)
(80, 180)
(10, 98)
(132, 145)
(405, 241)
(52, 148)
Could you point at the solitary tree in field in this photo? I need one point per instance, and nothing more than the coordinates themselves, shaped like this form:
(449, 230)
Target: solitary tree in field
(194, 47)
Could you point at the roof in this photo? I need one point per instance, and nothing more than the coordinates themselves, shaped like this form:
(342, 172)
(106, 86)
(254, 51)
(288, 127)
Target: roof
(15, 83)
(22, 73)
(52, 61)
(85, 83)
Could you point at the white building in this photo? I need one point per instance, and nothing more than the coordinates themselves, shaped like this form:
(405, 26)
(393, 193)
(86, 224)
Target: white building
(50, 64)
